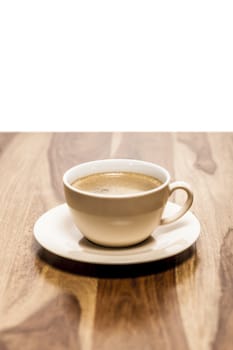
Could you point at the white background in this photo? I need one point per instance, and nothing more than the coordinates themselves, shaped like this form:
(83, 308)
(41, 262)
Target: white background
(125, 65)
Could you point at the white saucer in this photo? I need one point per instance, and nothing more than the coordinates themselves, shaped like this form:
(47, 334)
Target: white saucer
(56, 232)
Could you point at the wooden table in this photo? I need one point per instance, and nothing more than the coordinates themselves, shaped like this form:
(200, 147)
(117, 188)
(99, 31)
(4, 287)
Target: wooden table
(46, 302)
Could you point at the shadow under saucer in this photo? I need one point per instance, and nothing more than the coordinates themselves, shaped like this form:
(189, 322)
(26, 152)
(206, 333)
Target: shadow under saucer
(114, 271)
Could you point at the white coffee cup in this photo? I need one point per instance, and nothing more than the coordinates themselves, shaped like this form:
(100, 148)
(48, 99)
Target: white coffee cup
(121, 220)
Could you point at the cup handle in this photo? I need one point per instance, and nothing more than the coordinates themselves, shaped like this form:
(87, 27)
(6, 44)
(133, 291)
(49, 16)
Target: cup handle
(179, 185)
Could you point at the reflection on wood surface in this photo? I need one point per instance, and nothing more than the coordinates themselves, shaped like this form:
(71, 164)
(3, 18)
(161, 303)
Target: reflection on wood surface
(47, 302)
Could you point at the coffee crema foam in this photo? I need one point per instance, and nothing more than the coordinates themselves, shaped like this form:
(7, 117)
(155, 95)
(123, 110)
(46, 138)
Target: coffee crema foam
(116, 183)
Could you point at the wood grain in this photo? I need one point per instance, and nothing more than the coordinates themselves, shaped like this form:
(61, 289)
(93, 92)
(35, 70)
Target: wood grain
(61, 313)
(184, 302)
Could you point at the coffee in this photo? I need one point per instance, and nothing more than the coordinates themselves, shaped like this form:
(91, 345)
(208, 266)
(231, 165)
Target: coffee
(116, 183)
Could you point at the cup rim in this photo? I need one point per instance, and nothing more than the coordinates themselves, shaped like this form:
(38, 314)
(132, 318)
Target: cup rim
(121, 196)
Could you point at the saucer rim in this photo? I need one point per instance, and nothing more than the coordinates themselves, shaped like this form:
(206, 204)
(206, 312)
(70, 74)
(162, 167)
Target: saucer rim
(89, 258)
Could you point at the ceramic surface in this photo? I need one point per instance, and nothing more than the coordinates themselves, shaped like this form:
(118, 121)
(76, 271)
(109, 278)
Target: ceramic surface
(56, 232)
(121, 220)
